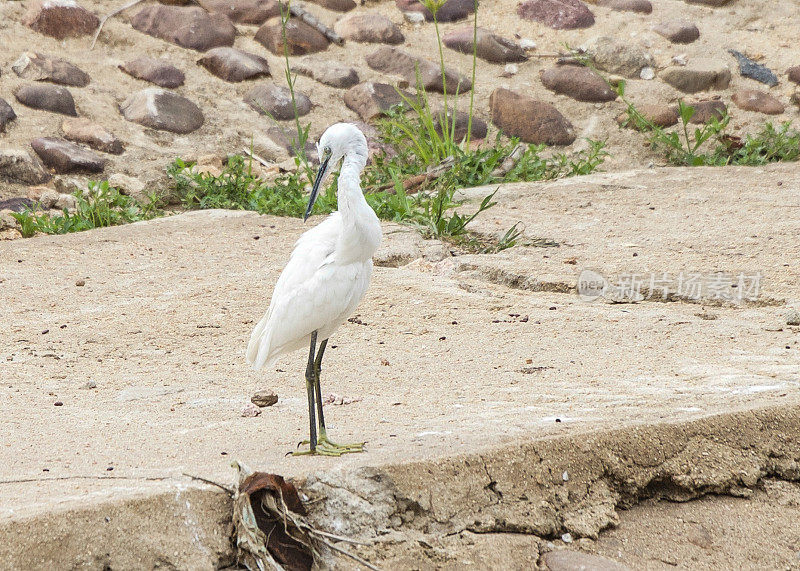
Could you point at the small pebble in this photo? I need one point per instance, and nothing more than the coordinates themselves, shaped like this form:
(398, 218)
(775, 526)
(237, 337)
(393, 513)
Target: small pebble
(80, 283)
(58, 403)
(414, 17)
(527, 44)
(793, 317)
(565, 476)
(679, 59)
(90, 385)
(264, 398)
(250, 410)
(566, 538)
(510, 69)
(647, 73)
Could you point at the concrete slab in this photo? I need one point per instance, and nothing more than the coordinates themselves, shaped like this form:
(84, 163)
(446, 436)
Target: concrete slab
(445, 357)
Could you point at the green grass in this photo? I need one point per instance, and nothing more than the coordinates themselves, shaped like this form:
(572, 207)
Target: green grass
(100, 205)
(710, 144)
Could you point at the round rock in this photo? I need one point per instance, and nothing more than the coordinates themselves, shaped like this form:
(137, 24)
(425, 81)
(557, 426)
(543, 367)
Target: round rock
(658, 114)
(268, 98)
(6, 114)
(412, 67)
(47, 97)
(39, 67)
(698, 76)
(369, 27)
(160, 109)
(531, 120)
(20, 167)
(82, 130)
(301, 38)
(264, 398)
(793, 73)
(60, 18)
(578, 82)
(451, 11)
(639, 6)
(64, 157)
(336, 5)
(620, 57)
(234, 65)
(244, 11)
(557, 14)
(677, 31)
(327, 72)
(705, 111)
(758, 101)
(489, 46)
(187, 26)
(370, 99)
(155, 71)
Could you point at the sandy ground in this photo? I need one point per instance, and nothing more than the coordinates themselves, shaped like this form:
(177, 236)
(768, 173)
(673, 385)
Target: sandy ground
(165, 309)
(765, 32)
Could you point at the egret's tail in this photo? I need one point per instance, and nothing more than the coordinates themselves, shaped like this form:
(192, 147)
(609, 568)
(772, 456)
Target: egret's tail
(258, 349)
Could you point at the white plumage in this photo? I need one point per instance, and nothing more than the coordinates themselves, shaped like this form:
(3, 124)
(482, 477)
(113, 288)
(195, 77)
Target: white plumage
(330, 267)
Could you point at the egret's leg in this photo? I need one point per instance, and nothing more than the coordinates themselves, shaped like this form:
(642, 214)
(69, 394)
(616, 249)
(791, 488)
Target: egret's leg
(325, 446)
(312, 442)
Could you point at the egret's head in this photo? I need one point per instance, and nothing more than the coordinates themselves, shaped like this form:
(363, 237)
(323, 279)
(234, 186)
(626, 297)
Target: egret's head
(337, 141)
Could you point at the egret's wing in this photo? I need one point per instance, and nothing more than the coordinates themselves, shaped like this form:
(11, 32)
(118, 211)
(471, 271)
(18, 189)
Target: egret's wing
(307, 295)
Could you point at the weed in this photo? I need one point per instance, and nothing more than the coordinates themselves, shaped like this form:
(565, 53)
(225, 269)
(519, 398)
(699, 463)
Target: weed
(710, 144)
(101, 205)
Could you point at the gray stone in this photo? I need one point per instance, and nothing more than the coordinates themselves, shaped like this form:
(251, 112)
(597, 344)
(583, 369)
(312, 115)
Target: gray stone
(793, 318)
(160, 109)
(155, 71)
(60, 18)
(531, 120)
(232, 64)
(270, 99)
(698, 76)
(677, 31)
(398, 62)
(47, 97)
(64, 157)
(578, 82)
(187, 26)
(6, 114)
(620, 57)
(753, 70)
(39, 67)
(557, 14)
(20, 167)
(489, 46)
(371, 99)
(369, 27)
(82, 130)
(326, 71)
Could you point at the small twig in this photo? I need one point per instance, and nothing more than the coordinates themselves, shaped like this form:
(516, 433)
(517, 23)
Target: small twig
(510, 161)
(228, 489)
(338, 537)
(113, 13)
(256, 158)
(314, 23)
(79, 477)
(352, 556)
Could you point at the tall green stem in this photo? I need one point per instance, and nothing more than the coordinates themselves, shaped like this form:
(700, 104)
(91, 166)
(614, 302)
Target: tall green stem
(474, 67)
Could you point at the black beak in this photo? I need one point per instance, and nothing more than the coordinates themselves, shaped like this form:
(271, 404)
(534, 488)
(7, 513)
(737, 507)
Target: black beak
(315, 189)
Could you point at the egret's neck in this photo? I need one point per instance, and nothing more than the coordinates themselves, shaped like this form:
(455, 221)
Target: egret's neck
(361, 230)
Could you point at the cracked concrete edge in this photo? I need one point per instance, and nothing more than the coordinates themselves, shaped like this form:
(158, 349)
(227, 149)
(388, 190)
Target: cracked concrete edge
(540, 487)
(548, 487)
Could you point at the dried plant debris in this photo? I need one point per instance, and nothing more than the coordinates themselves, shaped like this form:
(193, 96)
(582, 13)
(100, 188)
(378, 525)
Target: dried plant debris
(753, 70)
(271, 529)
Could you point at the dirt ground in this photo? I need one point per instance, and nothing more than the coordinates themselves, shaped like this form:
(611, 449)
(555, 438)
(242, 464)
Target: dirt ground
(155, 316)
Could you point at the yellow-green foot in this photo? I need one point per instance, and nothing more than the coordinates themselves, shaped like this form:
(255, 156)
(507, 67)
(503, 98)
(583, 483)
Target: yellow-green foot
(327, 448)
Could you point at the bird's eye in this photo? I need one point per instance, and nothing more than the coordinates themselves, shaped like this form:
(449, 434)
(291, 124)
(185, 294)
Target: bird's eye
(326, 152)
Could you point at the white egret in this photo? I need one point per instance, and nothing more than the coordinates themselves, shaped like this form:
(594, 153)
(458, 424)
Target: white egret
(326, 277)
